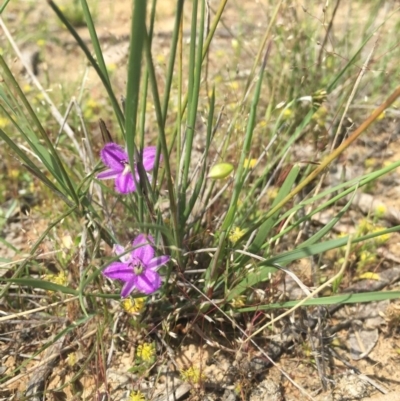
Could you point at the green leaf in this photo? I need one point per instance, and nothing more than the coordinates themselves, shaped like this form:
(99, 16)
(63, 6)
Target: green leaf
(262, 271)
(44, 285)
(372, 296)
(266, 227)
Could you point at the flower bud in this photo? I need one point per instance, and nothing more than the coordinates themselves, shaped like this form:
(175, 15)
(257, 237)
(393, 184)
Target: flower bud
(220, 171)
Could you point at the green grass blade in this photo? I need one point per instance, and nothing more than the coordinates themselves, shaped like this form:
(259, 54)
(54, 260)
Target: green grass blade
(264, 269)
(3, 7)
(195, 61)
(31, 166)
(44, 285)
(245, 149)
(138, 34)
(328, 227)
(373, 296)
(202, 175)
(48, 154)
(95, 41)
(269, 223)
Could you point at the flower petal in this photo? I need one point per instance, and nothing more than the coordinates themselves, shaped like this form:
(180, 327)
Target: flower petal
(105, 175)
(144, 251)
(158, 261)
(114, 156)
(118, 250)
(119, 271)
(149, 157)
(124, 183)
(148, 282)
(128, 287)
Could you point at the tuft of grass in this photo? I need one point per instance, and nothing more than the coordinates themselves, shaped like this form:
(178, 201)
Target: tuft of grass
(244, 135)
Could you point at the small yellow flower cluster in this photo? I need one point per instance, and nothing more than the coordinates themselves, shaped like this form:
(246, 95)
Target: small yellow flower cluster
(238, 388)
(370, 163)
(380, 211)
(136, 396)
(367, 257)
(320, 116)
(381, 116)
(369, 276)
(287, 114)
(146, 352)
(193, 375)
(14, 173)
(249, 163)
(41, 42)
(238, 302)
(60, 278)
(71, 359)
(365, 227)
(90, 109)
(236, 234)
(272, 193)
(133, 306)
(3, 122)
(111, 67)
(234, 85)
(382, 238)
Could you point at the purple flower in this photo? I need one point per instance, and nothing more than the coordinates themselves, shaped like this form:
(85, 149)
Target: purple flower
(117, 161)
(138, 268)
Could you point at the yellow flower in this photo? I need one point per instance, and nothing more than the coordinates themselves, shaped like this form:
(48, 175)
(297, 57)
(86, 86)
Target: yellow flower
(234, 85)
(382, 238)
(366, 258)
(60, 278)
(236, 234)
(27, 88)
(249, 163)
(160, 58)
(369, 276)
(365, 227)
(287, 114)
(381, 116)
(370, 162)
(3, 122)
(380, 210)
(192, 375)
(238, 388)
(238, 302)
(92, 104)
(71, 359)
(111, 67)
(272, 193)
(14, 173)
(146, 352)
(133, 306)
(136, 396)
